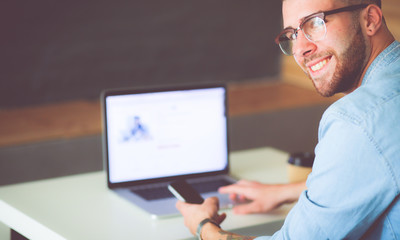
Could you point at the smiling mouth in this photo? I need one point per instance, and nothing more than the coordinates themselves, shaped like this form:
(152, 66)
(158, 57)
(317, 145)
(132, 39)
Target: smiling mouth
(318, 66)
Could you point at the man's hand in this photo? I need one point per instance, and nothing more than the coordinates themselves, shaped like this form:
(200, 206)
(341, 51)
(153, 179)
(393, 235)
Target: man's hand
(195, 213)
(261, 198)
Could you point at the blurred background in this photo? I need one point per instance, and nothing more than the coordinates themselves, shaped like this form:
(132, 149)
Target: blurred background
(57, 56)
(66, 50)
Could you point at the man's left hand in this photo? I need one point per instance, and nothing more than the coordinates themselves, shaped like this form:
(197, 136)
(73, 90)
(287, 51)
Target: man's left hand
(195, 213)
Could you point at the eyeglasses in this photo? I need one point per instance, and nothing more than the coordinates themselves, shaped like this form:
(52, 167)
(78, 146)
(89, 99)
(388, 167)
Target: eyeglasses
(313, 27)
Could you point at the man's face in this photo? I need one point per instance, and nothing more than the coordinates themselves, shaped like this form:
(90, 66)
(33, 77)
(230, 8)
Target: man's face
(334, 64)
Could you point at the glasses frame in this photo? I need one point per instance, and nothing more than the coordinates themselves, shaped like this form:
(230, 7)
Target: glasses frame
(321, 15)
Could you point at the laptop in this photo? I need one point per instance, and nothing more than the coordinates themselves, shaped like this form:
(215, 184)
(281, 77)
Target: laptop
(152, 137)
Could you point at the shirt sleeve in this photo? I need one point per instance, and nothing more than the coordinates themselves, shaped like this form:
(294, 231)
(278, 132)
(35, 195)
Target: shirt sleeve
(349, 188)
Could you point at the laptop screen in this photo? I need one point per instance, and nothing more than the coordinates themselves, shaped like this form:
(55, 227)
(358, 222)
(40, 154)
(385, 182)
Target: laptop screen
(160, 134)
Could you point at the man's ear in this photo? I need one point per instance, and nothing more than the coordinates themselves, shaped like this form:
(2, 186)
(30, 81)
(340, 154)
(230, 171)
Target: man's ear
(373, 19)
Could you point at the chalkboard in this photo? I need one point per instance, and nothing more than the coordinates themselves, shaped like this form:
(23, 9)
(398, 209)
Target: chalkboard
(55, 51)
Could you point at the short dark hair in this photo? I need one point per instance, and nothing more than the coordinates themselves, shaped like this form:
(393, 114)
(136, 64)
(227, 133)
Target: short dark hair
(353, 2)
(377, 2)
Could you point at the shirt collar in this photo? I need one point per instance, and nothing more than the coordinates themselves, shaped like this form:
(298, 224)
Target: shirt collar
(387, 56)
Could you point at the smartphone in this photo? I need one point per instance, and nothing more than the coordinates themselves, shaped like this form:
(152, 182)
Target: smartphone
(185, 192)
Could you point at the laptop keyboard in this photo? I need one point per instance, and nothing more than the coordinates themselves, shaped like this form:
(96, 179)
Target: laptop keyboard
(210, 186)
(162, 191)
(153, 193)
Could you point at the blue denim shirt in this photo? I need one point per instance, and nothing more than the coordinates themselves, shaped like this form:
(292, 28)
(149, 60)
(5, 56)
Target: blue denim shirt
(353, 190)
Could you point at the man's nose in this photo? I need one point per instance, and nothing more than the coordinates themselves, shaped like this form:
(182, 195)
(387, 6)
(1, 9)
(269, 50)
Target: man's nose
(302, 46)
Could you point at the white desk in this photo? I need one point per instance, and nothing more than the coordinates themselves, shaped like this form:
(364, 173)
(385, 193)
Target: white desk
(81, 206)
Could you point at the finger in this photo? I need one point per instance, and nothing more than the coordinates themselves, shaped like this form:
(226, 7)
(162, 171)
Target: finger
(233, 197)
(245, 208)
(242, 198)
(211, 200)
(233, 189)
(238, 198)
(220, 218)
(179, 205)
(240, 183)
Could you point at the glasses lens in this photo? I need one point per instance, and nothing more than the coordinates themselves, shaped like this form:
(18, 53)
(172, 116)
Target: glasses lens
(314, 29)
(287, 47)
(286, 42)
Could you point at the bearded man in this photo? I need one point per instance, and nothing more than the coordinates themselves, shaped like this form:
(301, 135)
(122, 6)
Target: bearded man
(353, 192)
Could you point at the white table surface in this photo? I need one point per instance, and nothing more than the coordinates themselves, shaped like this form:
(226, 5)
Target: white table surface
(81, 206)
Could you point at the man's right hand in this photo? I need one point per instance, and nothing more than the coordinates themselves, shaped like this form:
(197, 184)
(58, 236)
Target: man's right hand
(257, 197)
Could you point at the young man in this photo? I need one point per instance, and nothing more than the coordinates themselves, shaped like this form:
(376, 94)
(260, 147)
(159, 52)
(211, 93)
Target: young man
(353, 192)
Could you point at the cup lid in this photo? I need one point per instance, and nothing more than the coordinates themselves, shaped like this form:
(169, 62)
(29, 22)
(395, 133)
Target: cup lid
(303, 159)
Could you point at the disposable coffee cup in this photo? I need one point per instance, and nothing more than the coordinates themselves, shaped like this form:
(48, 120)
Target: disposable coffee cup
(300, 166)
